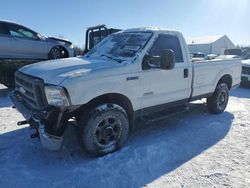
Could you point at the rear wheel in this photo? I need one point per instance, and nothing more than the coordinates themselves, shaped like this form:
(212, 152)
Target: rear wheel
(217, 103)
(104, 129)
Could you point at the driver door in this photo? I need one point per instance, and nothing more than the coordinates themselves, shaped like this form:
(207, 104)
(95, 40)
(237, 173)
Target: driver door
(166, 86)
(26, 43)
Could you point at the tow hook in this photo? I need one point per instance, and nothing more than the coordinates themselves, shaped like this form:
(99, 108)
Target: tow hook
(32, 126)
(19, 123)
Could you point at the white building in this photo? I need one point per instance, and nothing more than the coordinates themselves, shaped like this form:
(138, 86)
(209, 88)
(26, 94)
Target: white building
(210, 44)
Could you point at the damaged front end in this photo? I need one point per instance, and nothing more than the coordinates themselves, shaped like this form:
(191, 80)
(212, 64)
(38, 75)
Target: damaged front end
(42, 108)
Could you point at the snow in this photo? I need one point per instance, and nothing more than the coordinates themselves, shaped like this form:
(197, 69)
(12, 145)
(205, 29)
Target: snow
(116, 47)
(189, 149)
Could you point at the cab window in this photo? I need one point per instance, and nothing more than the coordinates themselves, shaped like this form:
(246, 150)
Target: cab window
(18, 31)
(165, 41)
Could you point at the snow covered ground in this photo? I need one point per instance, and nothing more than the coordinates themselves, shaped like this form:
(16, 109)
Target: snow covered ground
(191, 149)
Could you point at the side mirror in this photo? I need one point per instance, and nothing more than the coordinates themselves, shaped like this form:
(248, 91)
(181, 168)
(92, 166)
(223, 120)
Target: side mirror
(39, 37)
(167, 59)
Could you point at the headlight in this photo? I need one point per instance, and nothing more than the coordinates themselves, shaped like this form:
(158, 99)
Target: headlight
(56, 96)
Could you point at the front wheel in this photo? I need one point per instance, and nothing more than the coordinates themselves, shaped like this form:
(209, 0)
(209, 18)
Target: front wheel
(56, 53)
(104, 129)
(217, 103)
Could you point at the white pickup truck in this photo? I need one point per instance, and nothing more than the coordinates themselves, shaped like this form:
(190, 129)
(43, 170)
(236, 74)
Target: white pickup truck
(131, 73)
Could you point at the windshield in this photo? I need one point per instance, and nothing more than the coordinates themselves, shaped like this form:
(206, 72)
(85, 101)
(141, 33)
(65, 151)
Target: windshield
(121, 46)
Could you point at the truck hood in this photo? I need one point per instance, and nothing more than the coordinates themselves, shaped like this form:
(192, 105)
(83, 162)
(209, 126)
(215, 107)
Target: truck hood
(246, 62)
(56, 71)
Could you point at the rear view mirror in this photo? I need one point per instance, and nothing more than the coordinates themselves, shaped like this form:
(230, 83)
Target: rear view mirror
(167, 59)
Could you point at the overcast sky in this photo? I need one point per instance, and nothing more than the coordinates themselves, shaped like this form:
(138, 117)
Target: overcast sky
(192, 17)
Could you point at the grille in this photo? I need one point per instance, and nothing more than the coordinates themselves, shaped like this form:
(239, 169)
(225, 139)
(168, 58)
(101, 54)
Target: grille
(246, 70)
(30, 90)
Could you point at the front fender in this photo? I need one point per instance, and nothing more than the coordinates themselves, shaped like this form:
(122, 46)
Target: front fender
(81, 92)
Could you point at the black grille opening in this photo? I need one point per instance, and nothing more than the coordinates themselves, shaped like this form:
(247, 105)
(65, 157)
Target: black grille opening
(30, 89)
(22, 82)
(246, 70)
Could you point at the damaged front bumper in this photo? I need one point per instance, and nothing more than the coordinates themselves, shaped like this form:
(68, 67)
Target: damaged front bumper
(49, 141)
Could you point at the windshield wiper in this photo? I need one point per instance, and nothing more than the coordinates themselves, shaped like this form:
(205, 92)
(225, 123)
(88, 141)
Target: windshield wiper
(110, 57)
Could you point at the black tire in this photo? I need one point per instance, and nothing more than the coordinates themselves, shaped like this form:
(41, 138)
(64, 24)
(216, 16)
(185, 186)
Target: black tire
(104, 130)
(217, 103)
(56, 53)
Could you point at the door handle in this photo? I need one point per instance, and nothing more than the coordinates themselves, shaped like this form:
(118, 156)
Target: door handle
(185, 73)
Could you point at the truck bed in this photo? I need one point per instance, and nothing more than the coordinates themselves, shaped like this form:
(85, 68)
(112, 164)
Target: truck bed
(207, 73)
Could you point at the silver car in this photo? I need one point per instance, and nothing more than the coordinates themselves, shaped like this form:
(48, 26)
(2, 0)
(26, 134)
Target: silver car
(19, 42)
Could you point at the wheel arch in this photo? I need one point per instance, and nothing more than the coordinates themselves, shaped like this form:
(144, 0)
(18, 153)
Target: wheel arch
(227, 79)
(116, 98)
